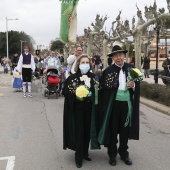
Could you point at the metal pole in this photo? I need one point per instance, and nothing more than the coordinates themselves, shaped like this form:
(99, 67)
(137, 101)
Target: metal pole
(127, 48)
(21, 46)
(7, 52)
(166, 45)
(7, 48)
(156, 70)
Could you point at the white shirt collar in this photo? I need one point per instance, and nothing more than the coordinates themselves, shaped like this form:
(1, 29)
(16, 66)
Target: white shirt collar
(120, 66)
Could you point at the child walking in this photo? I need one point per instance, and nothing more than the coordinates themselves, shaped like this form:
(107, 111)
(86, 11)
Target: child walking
(17, 83)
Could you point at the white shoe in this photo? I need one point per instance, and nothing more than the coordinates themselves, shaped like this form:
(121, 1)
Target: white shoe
(29, 95)
(24, 95)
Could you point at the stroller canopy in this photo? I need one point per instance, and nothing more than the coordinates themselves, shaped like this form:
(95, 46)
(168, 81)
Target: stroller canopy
(53, 69)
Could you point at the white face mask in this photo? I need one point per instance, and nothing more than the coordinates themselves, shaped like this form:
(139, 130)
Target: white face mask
(168, 58)
(84, 68)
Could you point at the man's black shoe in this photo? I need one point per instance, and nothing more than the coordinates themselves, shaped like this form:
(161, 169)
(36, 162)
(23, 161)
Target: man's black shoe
(87, 159)
(78, 165)
(127, 161)
(112, 161)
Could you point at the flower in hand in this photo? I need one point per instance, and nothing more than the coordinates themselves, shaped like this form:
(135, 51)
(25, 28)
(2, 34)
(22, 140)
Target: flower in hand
(82, 91)
(135, 75)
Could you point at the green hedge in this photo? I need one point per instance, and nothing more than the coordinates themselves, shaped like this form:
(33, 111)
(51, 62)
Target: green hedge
(156, 92)
(160, 72)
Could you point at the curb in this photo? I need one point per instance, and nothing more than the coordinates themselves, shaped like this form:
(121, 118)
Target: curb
(156, 106)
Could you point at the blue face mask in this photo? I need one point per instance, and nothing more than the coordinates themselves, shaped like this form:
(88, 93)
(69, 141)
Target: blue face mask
(84, 68)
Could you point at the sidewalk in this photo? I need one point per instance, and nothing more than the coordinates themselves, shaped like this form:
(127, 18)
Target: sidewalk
(1, 69)
(152, 81)
(160, 107)
(156, 106)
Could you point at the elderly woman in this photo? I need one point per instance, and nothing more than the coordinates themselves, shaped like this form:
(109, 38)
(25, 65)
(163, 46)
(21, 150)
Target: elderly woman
(79, 110)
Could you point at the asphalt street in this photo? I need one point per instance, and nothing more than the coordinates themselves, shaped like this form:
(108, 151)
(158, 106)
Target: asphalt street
(31, 135)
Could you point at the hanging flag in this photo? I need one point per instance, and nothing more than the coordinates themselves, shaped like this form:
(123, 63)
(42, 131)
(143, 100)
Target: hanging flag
(68, 25)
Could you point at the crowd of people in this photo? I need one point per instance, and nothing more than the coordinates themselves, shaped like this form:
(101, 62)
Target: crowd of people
(27, 67)
(97, 108)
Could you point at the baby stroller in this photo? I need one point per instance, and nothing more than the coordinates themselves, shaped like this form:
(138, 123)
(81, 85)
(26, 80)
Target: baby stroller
(52, 82)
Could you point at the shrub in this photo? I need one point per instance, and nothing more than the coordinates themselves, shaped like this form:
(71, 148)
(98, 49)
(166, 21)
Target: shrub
(160, 72)
(156, 92)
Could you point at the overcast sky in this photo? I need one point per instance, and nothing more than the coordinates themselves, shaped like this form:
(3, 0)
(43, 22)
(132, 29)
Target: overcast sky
(41, 18)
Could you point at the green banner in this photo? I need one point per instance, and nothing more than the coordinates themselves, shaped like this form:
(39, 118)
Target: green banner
(68, 25)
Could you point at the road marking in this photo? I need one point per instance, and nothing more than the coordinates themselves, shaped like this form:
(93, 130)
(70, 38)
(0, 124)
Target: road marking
(1, 94)
(10, 163)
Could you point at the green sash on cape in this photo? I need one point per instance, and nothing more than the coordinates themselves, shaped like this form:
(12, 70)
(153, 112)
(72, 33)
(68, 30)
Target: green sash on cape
(124, 95)
(93, 135)
(102, 132)
(121, 96)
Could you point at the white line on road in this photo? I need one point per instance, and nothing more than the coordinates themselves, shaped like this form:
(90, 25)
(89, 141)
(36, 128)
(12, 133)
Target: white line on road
(10, 163)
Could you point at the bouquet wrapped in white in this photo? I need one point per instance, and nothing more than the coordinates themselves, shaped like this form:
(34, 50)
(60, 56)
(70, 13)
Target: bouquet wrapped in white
(135, 74)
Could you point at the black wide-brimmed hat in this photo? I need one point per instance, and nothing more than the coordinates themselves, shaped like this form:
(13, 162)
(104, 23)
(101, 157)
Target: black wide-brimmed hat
(116, 49)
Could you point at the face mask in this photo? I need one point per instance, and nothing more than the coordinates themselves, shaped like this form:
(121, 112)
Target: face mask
(84, 68)
(169, 58)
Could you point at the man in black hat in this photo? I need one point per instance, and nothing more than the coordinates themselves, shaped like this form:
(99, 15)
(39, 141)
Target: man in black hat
(119, 101)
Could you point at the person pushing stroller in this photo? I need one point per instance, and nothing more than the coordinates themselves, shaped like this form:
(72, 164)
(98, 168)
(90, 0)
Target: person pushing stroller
(53, 60)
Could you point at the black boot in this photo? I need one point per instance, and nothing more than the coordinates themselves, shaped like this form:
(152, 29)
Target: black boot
(127, 160)
(87, 158)
(78, 163)
(112, 161)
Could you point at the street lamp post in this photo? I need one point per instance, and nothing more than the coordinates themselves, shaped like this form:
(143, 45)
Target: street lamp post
(166, 44)
(7, 50)
(21, 45)
(156, 70)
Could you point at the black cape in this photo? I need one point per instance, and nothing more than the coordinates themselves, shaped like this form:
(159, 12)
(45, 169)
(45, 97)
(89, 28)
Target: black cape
(109, 83)
(68, 117)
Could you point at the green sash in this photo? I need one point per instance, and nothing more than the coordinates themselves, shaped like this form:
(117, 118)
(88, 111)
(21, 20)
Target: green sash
(103, 129)
(121, 96)
(93, 135)
(124, 95)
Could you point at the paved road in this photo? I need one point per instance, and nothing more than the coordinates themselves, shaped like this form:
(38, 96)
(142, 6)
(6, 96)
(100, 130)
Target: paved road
(31, 135)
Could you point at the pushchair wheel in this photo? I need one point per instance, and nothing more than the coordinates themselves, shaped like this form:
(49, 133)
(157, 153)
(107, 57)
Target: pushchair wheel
(48, 94)
(57, 94)
(45, 93)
